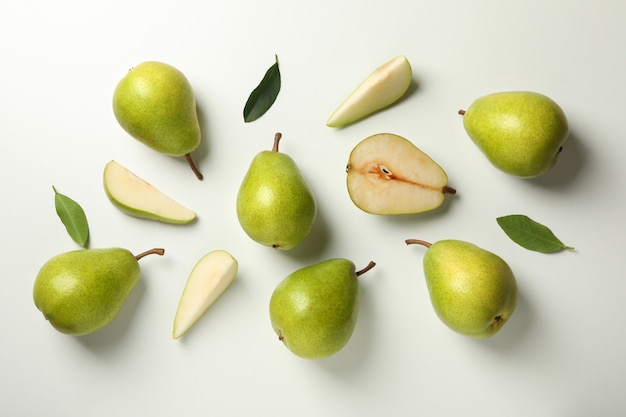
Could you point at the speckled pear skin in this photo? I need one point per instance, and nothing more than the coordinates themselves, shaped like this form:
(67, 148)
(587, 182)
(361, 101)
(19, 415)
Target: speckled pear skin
(82, 291)
(314, 310)
(472, 290)
(155, 104)
(275, 206)
(520, 132)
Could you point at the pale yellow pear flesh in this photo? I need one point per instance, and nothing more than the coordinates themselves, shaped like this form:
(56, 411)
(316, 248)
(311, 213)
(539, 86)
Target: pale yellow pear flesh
(387, 174)
(386, 85)
(208, 280)
(472, 291)
(136, 197)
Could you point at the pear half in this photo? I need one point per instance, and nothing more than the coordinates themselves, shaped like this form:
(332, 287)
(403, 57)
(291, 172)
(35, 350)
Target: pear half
(388, 174)
(136, 197)
(210, 277)
(380, 89)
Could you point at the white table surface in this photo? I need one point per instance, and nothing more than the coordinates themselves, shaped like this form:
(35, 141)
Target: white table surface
(560, 355)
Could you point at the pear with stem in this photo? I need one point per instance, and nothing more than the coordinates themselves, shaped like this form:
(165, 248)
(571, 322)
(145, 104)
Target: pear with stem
(472, 290)
(155, 104)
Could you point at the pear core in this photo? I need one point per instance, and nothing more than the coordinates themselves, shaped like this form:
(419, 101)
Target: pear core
(387, 174)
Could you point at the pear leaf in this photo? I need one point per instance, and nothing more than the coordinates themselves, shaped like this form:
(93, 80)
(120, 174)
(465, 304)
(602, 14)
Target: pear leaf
(264, 95)
(530, 234)
(73, 217)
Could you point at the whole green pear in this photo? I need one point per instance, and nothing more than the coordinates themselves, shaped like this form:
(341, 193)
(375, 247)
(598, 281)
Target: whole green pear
(314, 310)
(155, 104)
(520, 132)
(82, 291)
(275, 205)
(472, 290)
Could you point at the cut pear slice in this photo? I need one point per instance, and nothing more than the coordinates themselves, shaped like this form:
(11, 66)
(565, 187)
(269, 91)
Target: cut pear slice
(387, 174)
(135, 197)
(210, 277)
(382, 88)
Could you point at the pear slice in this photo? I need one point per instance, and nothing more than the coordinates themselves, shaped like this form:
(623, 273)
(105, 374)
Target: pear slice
(210, 277)
(382, 88)
(387, 174)
(135, 197)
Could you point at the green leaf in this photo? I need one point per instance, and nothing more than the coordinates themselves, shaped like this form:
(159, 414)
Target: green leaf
(529, 234)
(264, 95)
(73, 217)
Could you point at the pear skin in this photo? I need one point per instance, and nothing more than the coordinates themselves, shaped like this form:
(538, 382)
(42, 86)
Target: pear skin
(521, 133)
(155, 104)
(80, 292)
(275, 206)
(472, 290)
(314, 310)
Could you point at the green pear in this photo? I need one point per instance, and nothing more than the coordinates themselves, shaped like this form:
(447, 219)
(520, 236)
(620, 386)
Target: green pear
(275, 205)
(155, 104)
(388, 174)
(314, 310)
(80, 292)
(472, 290)
(136, 197)
(208, 280)
(383, 87)
(520, 132)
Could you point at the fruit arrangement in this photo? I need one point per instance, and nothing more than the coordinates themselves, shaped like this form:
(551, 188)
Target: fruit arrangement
(314, 310)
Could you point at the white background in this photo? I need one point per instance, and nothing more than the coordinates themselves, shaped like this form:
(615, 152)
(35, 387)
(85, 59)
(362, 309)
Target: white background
(560, 355)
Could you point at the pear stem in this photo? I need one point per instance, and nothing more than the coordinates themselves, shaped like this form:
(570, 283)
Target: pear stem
(193, 167)
(417, 242)
(462, 112)
(367, 268)
(277, 137)
(154, 251)
(448, 190)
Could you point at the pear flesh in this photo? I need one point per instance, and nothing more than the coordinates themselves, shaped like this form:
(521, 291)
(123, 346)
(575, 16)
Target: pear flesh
(388, 174)
(155, 104)
(520, 132)
(275, 206)
(80, 292)
(386, 85)
(473, 291)
(210, 277)
(136, 197)
(314, 310)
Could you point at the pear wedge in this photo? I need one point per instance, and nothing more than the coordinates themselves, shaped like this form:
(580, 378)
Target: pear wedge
(210, 277)
(136, 197)
(388, 174)
(380, 89)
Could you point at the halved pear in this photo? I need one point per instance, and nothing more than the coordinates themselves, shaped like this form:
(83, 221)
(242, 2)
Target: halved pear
(380, 89)
(387, 174)
(210, 277)
(136, 197)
